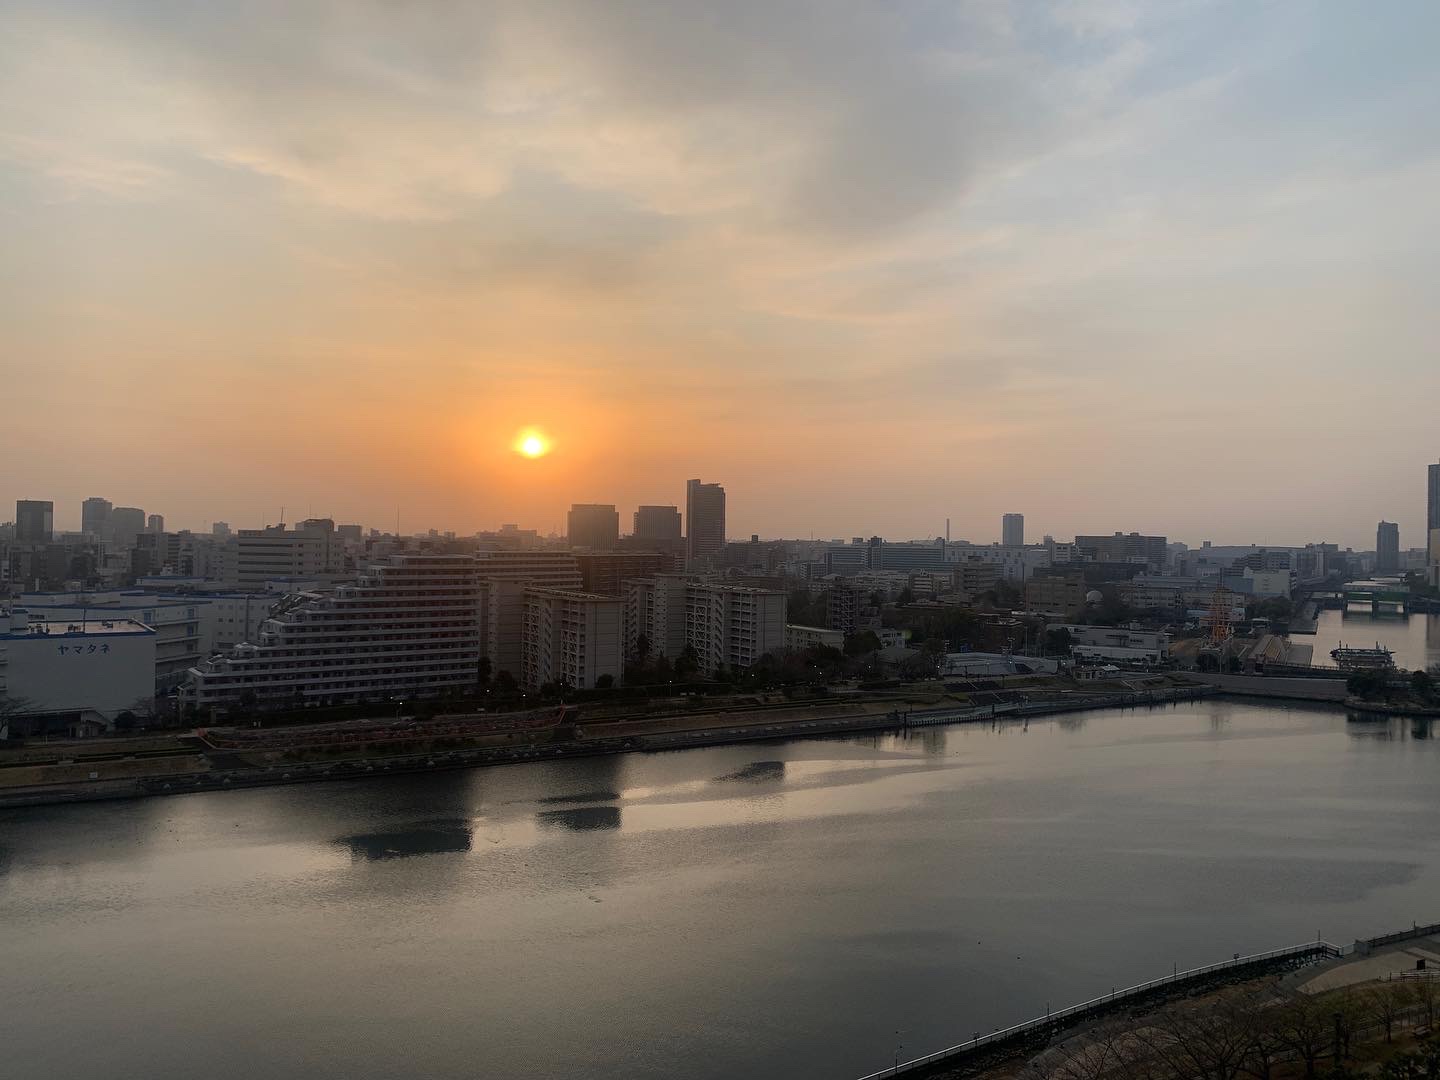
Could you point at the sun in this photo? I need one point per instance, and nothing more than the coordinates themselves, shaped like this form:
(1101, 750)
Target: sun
(532, 444)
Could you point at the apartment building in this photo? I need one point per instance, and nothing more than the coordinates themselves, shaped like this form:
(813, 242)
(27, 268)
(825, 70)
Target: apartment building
(408, 627)
(571, 638)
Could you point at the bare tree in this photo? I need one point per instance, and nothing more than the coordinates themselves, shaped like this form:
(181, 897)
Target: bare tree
(1110, 1051)
(1208, 1041)
(1385, 1002)
(1306, 1027)
(1426, 992)
(11, 708)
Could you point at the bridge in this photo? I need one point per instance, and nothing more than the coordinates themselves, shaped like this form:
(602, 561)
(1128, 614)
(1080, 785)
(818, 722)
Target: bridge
(1382, 597)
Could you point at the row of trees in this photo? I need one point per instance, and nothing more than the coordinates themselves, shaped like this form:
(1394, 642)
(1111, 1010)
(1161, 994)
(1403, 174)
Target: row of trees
(1419, 687)
(1247, 1033)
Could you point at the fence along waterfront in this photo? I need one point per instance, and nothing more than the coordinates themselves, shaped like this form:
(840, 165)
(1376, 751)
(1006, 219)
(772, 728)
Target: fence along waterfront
(1311, 950)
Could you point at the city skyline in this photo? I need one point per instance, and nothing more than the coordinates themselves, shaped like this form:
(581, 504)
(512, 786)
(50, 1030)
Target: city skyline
(365, 255)
(62, 524)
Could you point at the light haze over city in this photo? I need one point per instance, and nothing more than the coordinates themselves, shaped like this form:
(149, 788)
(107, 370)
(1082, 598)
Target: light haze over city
(1162, 267)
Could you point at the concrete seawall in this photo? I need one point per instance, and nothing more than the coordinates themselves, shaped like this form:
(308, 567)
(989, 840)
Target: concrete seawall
(1262, 686)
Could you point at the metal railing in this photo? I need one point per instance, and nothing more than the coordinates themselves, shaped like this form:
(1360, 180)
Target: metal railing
(1311, 949)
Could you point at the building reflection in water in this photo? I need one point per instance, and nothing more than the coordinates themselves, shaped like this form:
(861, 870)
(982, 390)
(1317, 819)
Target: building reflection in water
(757, 772)
(424, 838)
(581, 818)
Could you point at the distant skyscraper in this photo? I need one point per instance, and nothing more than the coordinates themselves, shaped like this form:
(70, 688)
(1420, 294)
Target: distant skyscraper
(704, 519)
(594, 525)
(95, 516)
(126, 523)
(220, 528)
(657, 523)
(1387, 548)
(1432, 528)
(1432, 518)
(155, 523)
(1012, 530)
(34, 521)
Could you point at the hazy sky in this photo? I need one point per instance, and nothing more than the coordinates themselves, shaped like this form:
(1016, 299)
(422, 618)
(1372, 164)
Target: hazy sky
(1160, 266)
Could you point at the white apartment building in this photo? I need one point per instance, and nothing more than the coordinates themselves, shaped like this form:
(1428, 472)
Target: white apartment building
(410, 626)
(275, 552)
(727, 625)
(504, 576)
(655, 607)
(572, 638)
(733, 626)
(90, 671)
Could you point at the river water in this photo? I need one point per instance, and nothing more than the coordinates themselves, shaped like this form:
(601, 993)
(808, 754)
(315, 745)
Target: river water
(1414, 639)
(767, 910)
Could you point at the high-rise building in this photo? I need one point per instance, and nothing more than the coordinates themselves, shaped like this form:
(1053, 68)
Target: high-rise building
(220, 529)
(704, 520)
(409, 626)
(34, 521)
(1387, 548)
(126, 523)
(728, 626)
(1432, 515)
(1012, 530)
(593, 525)
(657, 523)
(1432, 527)
(95, 516)
(155, 523)
(572, 638)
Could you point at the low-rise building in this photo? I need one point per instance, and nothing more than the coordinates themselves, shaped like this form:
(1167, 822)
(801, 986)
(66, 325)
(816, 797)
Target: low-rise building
(1117, 644)
(73, 676)
(800, 638)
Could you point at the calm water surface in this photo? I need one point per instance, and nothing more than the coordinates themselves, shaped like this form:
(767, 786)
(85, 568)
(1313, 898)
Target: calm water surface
(775, 910)
(1414, 639)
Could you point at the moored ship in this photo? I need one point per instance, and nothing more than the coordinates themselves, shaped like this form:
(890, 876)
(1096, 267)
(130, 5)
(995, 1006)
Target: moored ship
(1361, 659)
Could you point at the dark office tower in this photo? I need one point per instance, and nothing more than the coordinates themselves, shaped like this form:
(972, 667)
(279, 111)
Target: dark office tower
(155, 523)
(704, 519)
(34, 521)
(1432, 518)
(1387, 548)
(657, 523)
(95, 516)
(1012, 530)
(126, 523)
(594, 525)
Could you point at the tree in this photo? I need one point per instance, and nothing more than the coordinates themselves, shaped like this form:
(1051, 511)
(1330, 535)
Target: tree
(664, 673)
(505, 683)
(1208, 1043)
(1422, 683)
(1384, 1002)
(604, 682)
(484, 671)
(866, 641)
(907, 596)
(1059, 641)
(687, 663)
(1306, 1027)
(12, 707)
(642, 647)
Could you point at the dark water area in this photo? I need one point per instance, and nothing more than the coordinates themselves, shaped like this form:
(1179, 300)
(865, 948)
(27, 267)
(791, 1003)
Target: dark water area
(773, 910)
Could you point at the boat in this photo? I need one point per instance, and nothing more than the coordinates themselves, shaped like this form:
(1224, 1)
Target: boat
(1350, 658)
